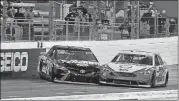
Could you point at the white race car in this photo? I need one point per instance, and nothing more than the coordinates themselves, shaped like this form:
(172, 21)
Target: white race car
(135, 68)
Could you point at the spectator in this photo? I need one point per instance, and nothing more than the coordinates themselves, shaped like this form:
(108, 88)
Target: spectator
(19, 16)
(10, 12)
(88, 17)
(173, 23)
(70, 17)
(125, 28)
(74, 5)
(29, 15)
(9, 32)
(83, 8)
(80, 19)
(146, 17)
(152, 23)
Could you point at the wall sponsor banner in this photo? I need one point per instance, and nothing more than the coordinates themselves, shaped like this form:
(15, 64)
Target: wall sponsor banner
(17, 61)
(14, 61)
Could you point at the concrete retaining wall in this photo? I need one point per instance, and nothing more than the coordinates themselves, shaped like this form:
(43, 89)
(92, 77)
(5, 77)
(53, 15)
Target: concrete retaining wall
(104, 51)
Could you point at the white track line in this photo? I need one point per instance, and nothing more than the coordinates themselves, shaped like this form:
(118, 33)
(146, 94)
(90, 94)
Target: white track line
(111, 96)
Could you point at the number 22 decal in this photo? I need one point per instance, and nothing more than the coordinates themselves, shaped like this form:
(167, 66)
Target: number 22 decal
(49, 65)
(161, 74)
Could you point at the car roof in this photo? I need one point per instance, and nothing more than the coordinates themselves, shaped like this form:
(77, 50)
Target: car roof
(138, 52)
(71, 47)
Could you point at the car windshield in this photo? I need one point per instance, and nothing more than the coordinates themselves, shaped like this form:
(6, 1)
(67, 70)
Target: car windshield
(81, 55)
(133, 58)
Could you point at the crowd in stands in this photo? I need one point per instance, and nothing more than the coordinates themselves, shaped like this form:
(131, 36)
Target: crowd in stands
(77, 15)
(20, 15)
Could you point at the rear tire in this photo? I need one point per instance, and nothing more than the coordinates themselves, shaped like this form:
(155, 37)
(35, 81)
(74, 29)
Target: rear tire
(152, 85)
(39, 70)
(166, 80)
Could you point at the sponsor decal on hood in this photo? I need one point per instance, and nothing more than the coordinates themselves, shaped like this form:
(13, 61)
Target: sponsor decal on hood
(122, 67)
(81, 63)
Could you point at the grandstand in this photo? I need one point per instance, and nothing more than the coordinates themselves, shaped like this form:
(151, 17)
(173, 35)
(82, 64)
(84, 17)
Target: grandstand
(103, 10)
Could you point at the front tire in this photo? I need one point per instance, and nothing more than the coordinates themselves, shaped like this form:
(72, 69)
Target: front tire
(99, 81)
(152, 85)
(52, 75)
(166, 80)
(39, 70)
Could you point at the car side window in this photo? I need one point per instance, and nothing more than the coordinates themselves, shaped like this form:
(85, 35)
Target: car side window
(157, 63)
(50, 52)
(160, 60)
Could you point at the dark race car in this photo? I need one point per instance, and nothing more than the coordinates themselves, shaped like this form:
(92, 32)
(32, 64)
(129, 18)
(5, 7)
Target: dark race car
(68, 63)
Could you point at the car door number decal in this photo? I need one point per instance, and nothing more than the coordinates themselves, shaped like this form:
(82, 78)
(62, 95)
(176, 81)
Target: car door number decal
(46, 67)
(161, 74)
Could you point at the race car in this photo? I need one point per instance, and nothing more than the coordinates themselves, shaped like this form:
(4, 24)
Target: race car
(68, 63)
(135, 68)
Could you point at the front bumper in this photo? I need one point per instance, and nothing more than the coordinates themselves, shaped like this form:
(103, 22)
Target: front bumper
(76, 77)
(138, 80)
(112, 83)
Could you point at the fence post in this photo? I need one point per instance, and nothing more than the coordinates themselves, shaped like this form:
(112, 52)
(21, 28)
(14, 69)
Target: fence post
(167, 27)
(29, 30)
(125, 9)
(114, 20)
(90, 31)
(138, 19)
(51, 19)
(112, 34)
(3, 30)
(42, 37)
(79, 31)
(11, 29)
(155, 23)
(55, 30)
(133, 35)
(66, 30)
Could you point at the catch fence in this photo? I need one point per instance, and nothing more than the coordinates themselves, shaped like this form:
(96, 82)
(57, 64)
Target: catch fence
(37, 29)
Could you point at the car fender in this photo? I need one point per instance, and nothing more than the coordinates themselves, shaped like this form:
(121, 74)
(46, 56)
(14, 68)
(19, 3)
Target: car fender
(39, 63)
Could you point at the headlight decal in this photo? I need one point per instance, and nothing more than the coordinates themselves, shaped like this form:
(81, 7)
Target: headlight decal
(146, 71)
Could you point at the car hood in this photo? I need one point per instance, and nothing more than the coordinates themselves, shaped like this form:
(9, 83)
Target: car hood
(74, 63)
(127, 67)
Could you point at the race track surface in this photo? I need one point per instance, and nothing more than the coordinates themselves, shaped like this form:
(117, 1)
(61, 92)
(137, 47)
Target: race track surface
(26, 88)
